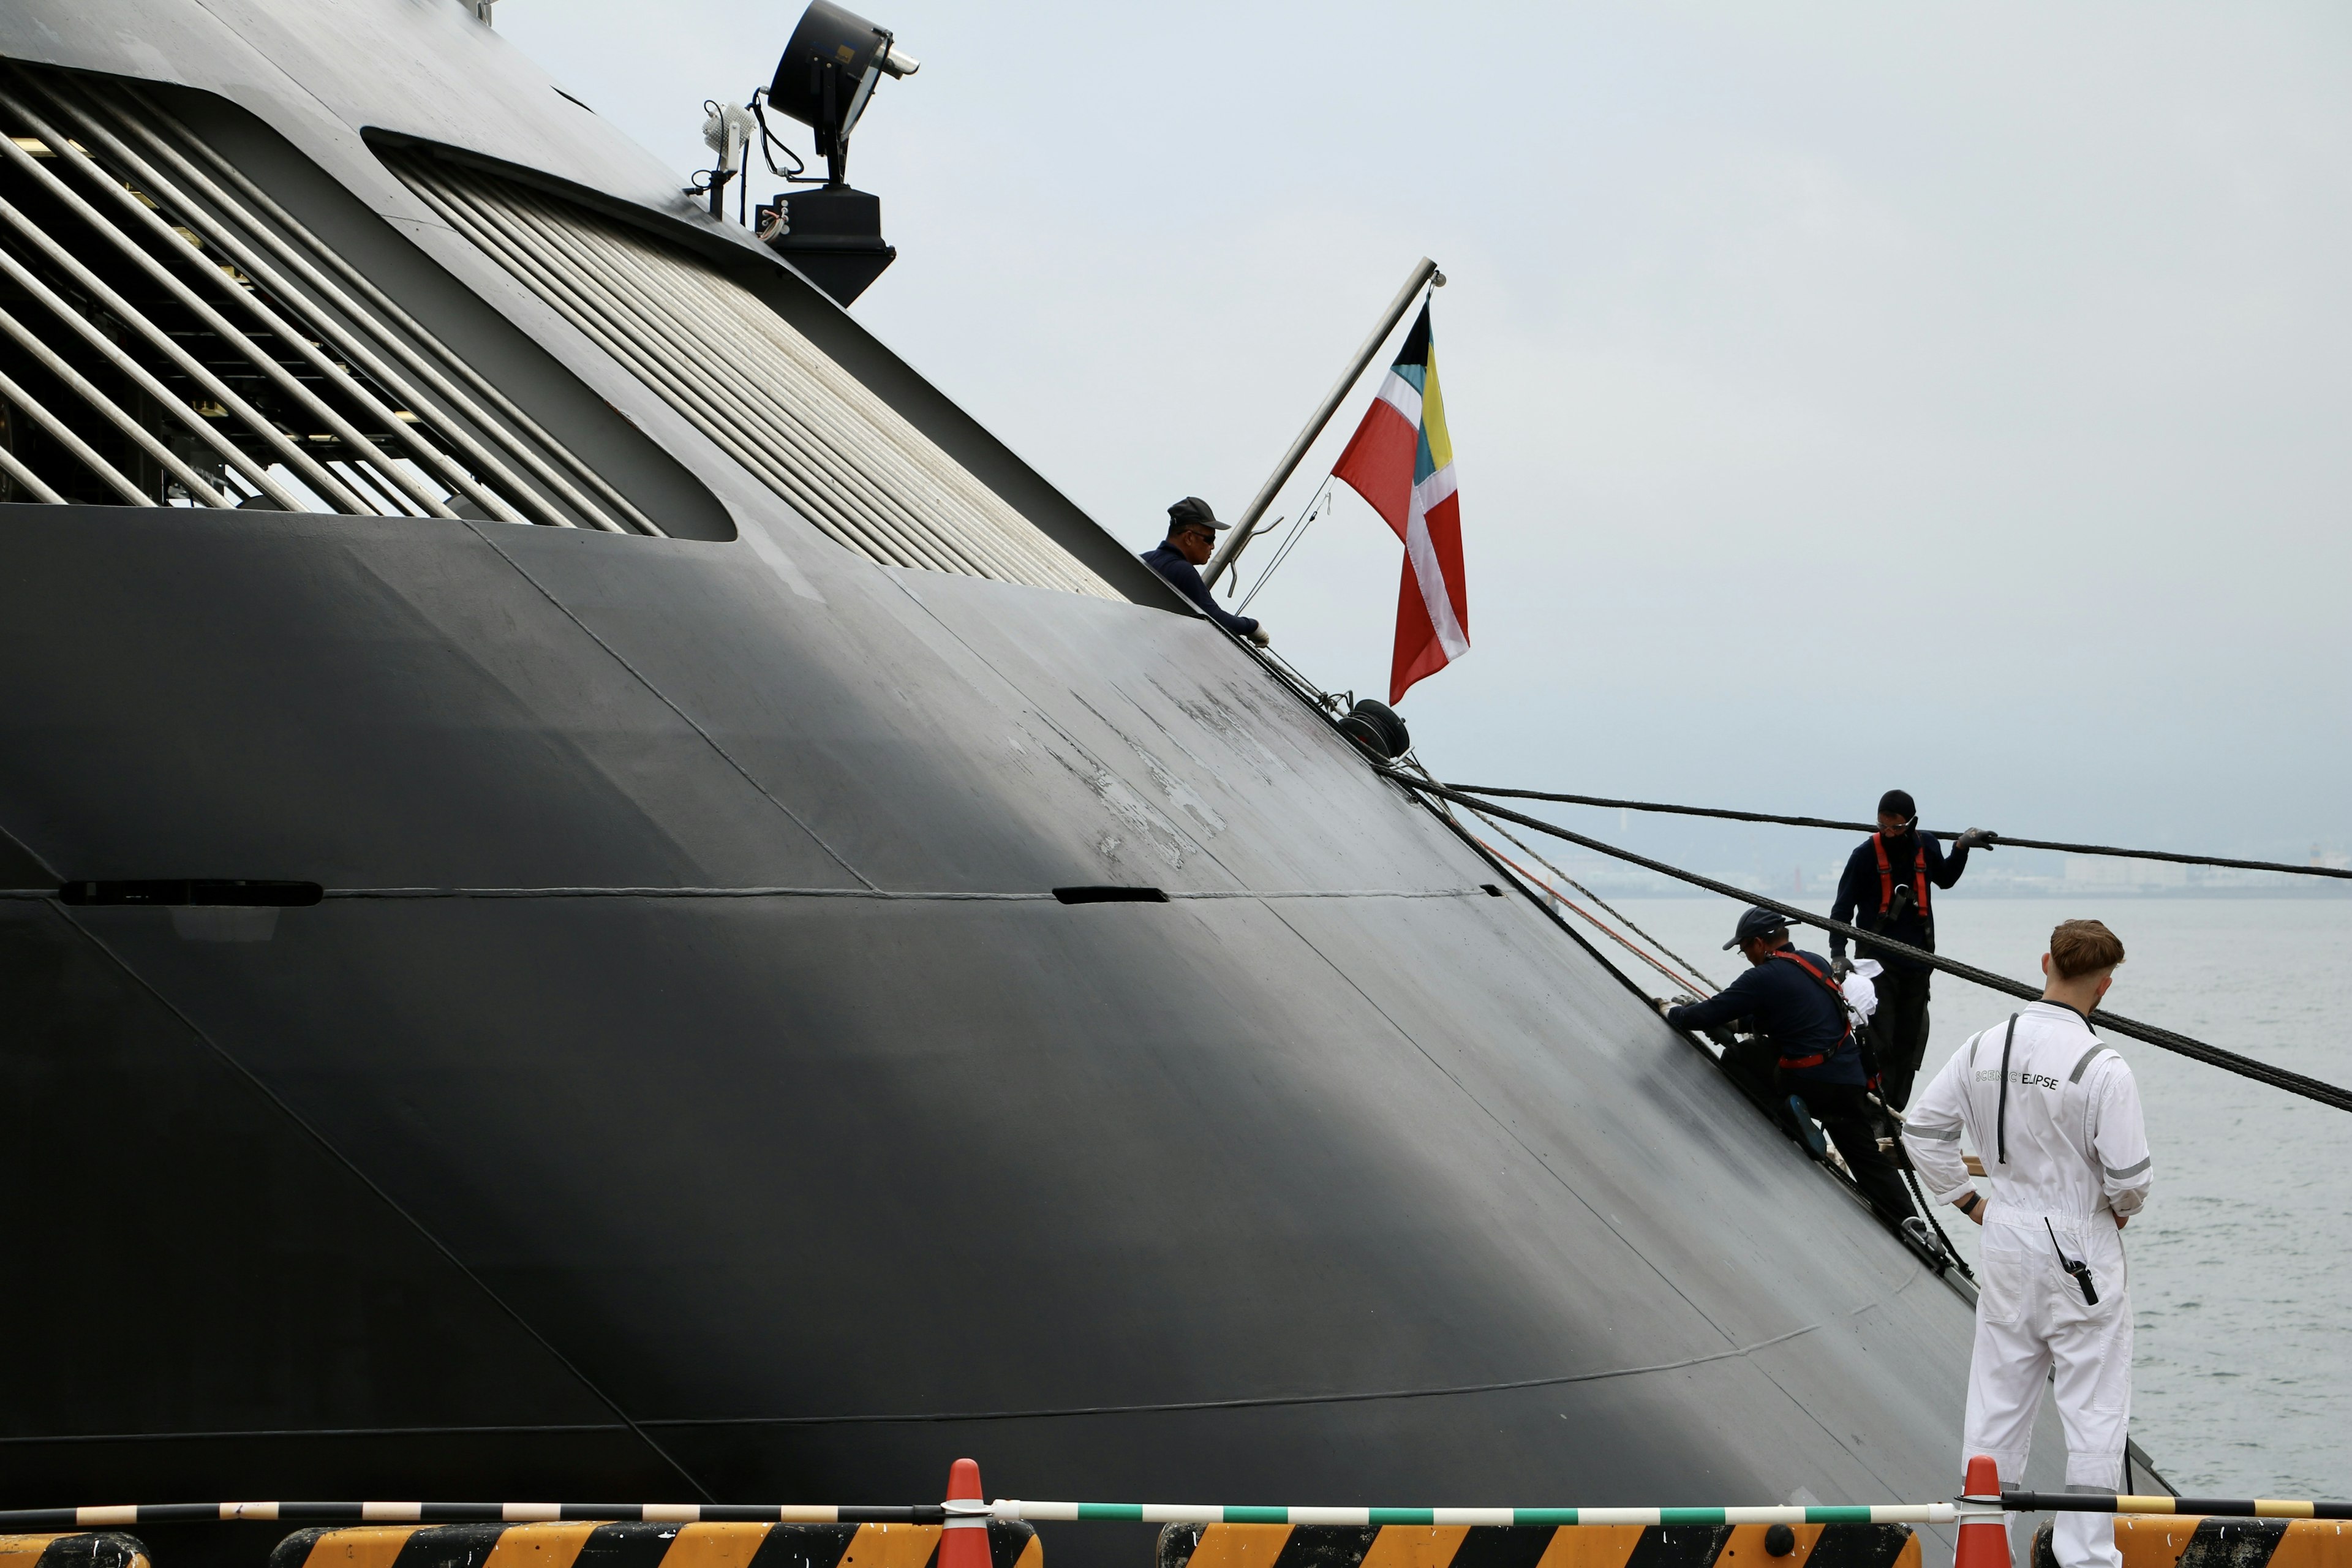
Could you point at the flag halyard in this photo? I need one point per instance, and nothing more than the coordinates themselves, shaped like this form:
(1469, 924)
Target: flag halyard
(1401, 461)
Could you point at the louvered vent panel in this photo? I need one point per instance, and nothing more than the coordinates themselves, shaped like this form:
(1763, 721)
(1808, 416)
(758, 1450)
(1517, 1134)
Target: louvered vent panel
(170, 333)
(752, 383)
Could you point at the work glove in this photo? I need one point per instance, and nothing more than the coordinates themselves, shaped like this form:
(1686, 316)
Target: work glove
(1976, 838)
(1260, 638)
(1840, 967)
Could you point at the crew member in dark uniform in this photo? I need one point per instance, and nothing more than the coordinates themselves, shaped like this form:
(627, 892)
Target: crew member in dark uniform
(1885, 891)
(1804, 1050)
(1192, 539)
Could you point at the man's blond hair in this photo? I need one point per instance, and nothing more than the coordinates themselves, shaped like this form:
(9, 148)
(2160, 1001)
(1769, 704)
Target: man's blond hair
(2083, 947)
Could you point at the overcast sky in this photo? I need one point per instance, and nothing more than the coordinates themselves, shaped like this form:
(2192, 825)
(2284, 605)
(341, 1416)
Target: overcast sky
(1955, 397)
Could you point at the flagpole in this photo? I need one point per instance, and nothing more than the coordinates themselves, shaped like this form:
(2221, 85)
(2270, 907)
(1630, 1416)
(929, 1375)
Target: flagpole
(1422, 271)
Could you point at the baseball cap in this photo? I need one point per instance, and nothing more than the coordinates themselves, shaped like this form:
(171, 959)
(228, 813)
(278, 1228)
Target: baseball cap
(1757, 923)
(1192, 512)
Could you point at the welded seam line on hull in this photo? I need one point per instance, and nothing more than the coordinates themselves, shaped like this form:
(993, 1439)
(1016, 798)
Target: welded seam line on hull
(673, 1422)
(391, 1202)
(664, 699)
(1503, 1126)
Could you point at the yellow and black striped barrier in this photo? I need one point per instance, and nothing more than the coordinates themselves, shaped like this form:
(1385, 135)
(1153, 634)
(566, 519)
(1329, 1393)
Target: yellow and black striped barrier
(2234, 1543)
(640, 1545)
(2158, 1542)
(91, 1548)
(1844, 1546)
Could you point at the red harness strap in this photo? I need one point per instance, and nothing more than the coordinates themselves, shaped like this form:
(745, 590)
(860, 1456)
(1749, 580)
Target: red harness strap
(1818, 1058)
(1918, 877)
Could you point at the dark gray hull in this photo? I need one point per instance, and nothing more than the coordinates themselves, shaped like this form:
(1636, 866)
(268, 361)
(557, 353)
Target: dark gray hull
(1383, 1196)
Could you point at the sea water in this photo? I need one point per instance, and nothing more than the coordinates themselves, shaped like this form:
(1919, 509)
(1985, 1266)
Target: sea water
(2241, 1263)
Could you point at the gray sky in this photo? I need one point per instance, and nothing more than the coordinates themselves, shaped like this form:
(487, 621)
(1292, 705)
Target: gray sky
(1947, 396)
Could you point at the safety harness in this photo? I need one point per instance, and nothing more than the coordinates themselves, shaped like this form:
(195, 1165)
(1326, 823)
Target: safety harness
(1818, 1058)
(1918, 877)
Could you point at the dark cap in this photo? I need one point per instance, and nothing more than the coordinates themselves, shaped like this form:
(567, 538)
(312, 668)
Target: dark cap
(1192, 512)
(1898, 802)
(1758, 922)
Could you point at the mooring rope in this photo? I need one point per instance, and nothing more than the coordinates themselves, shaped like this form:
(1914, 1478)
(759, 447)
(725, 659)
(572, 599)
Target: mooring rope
(2212, 1055)
(1999, 840)
(1693, 972)
(1927, 1212)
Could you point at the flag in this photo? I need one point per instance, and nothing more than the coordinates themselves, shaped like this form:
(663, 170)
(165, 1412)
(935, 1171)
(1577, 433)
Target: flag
(1401, 461)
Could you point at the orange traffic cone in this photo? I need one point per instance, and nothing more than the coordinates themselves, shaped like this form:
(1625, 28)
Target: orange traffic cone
(1984, 1537)
(964, 1542)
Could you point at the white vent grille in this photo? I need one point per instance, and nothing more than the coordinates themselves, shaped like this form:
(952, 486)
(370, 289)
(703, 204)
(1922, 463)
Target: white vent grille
(755, 385)
(170, 333)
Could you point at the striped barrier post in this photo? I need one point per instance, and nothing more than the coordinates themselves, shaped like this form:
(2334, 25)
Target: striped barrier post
(2125, 1502)
(1016, 1509)
(1984, 1530)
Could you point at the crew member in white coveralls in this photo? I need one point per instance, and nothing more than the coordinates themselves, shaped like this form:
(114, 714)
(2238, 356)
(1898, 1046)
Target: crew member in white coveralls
(2054, 1118)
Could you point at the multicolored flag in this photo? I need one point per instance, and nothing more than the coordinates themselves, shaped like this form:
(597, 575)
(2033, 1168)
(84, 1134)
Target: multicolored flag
(1401, 461)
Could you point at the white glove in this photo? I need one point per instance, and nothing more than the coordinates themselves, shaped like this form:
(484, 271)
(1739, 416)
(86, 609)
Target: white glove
(1260, 638)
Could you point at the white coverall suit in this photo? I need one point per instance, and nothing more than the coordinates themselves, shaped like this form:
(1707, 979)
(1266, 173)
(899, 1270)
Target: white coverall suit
(2066, 1157)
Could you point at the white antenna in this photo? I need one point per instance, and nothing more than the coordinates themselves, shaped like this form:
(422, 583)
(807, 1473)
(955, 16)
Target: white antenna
(727, 130)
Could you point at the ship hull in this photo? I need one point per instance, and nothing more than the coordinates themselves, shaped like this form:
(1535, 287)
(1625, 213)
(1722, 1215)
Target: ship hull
(690, 1084)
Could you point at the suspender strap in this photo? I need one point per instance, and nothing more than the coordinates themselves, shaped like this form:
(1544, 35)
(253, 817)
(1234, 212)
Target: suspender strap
(1818, 1058)
(2000, 1122)
(1886, 874)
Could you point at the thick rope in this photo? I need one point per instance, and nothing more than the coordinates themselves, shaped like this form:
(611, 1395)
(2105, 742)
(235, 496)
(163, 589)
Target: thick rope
(1997, 840)
(2196, 1050)
(1927, 1210)
(1693, 972)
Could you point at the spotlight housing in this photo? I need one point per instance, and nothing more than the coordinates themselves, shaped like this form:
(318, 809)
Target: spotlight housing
(827, 78)
(828, 73)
